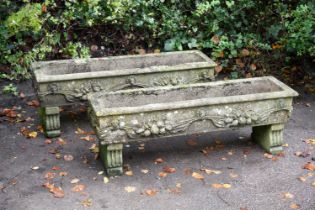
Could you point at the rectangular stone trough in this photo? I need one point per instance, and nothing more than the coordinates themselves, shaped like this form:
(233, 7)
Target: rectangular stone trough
(64, 82)
(151, 113)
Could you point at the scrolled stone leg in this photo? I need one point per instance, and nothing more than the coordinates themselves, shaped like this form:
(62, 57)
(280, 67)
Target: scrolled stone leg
(51, 121)
(270, 137)
(112, 158)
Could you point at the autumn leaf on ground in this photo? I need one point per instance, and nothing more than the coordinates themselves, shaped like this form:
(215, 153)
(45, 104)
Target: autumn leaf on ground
(191, 142)
(48, 141)
(145, 171)
(295, 206)
(61, 142)
(158, 160)
(310, 141)
(56, 191)
(74, 181)
(309, 166)
(55, 168)
(130, 189)
(218, 186)
(240, 63)
(32, 134)
(313, 184)
(268, 155)
(40, 128)
(197, 176)
(162, 174)
(63, 173)
(87, 202)
(245, 52)
(87, 138)
(233, 175)
(287, 195)
(50, 175)
(105, 180)
(33, 103)
(35, 167)
(78, 188)
(11, 113)
(215, 39)
(169, 170)
(129, 173)
(79, 131)
(94, 148)
(150, 192)
(68, 157)
(302, 154)
(176, 190)
(218, 69)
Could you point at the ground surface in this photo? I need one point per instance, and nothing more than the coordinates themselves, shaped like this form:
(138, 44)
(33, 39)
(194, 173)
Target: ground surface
(257, 182)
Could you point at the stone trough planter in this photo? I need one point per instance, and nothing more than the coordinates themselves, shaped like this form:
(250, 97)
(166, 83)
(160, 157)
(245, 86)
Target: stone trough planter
(145, 114)
(69, 81)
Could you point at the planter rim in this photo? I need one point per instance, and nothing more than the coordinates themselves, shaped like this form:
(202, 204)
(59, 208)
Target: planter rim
(42, 78)
(286, 92)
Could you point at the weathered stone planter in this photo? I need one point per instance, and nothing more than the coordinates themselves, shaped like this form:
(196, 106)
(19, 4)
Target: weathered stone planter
(69, 81)
(144, 114)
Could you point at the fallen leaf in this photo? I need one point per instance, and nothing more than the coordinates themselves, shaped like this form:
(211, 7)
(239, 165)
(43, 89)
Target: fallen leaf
(215, 39)
(302, 154)
(169, 170)
(35, 167)
(78, 188)
(94, 148)
(253, 67)
(33, 103)
(55, 168)
(87, 202)
(245, 52)
(309, 166)
(223, 158)
(63, 173)
(56, 191)
(68, 157)
(287, 195)
(240, 63)
(285, 145)
(218, 186)
(162, 174)
(105, 180)
(87, 138)
(151, 192)
(158, 160)
(129, 173)
(50, 175)
(313, 184)
(22, 95)
(94, 48)
(130, 189)
(233, 175)
(227, 186)
(310, 141)
(74, 181)
(47, 141)
(268, 155)
(191, 142)
(32, 134)
(145, 171)
(218, 69)
(209, 171)
(197, 176)
(79, 131)
(295, 206)
(61, 141)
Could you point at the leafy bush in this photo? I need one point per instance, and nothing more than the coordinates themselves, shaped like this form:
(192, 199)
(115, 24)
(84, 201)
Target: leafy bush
(55, 29)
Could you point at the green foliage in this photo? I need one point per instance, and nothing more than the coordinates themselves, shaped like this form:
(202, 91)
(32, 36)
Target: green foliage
(10, 89)
(57, 29)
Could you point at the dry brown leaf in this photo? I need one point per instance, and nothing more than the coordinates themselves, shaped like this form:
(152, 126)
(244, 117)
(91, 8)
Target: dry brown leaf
(78, 188)
(68, 157)
(309, 166)
(129, 173)
(56, 191)
(215, 39)
(218, 186)
(50, 175)
(151, 192)
(55, 168)
(63, 173)
(33, 103)
(245, 52)
(87, 138)
(268, 155)
(158, 160)
(253, 67)
(48, 141)
(162, 174)
(295, 206)
(87, 202)
(218, 69)
(240, 63)
(197, 176)
(169, 170)
(61, 141)
(80, 131)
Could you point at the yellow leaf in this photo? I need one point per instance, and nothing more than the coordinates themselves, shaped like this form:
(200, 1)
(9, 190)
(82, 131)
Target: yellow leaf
(151, 192)
(130, 189)
(227, 186)
(197, 176)
(105, 180)
(32, 134)
(87, 202)
(295, 206)
(313, 184)
(129, 173)
(217, 186)
(145, 171)
(288, 195)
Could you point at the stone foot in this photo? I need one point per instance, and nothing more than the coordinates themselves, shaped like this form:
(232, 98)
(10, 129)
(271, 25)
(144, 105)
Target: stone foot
(50, 121)
(270, 137)
(112, 158)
